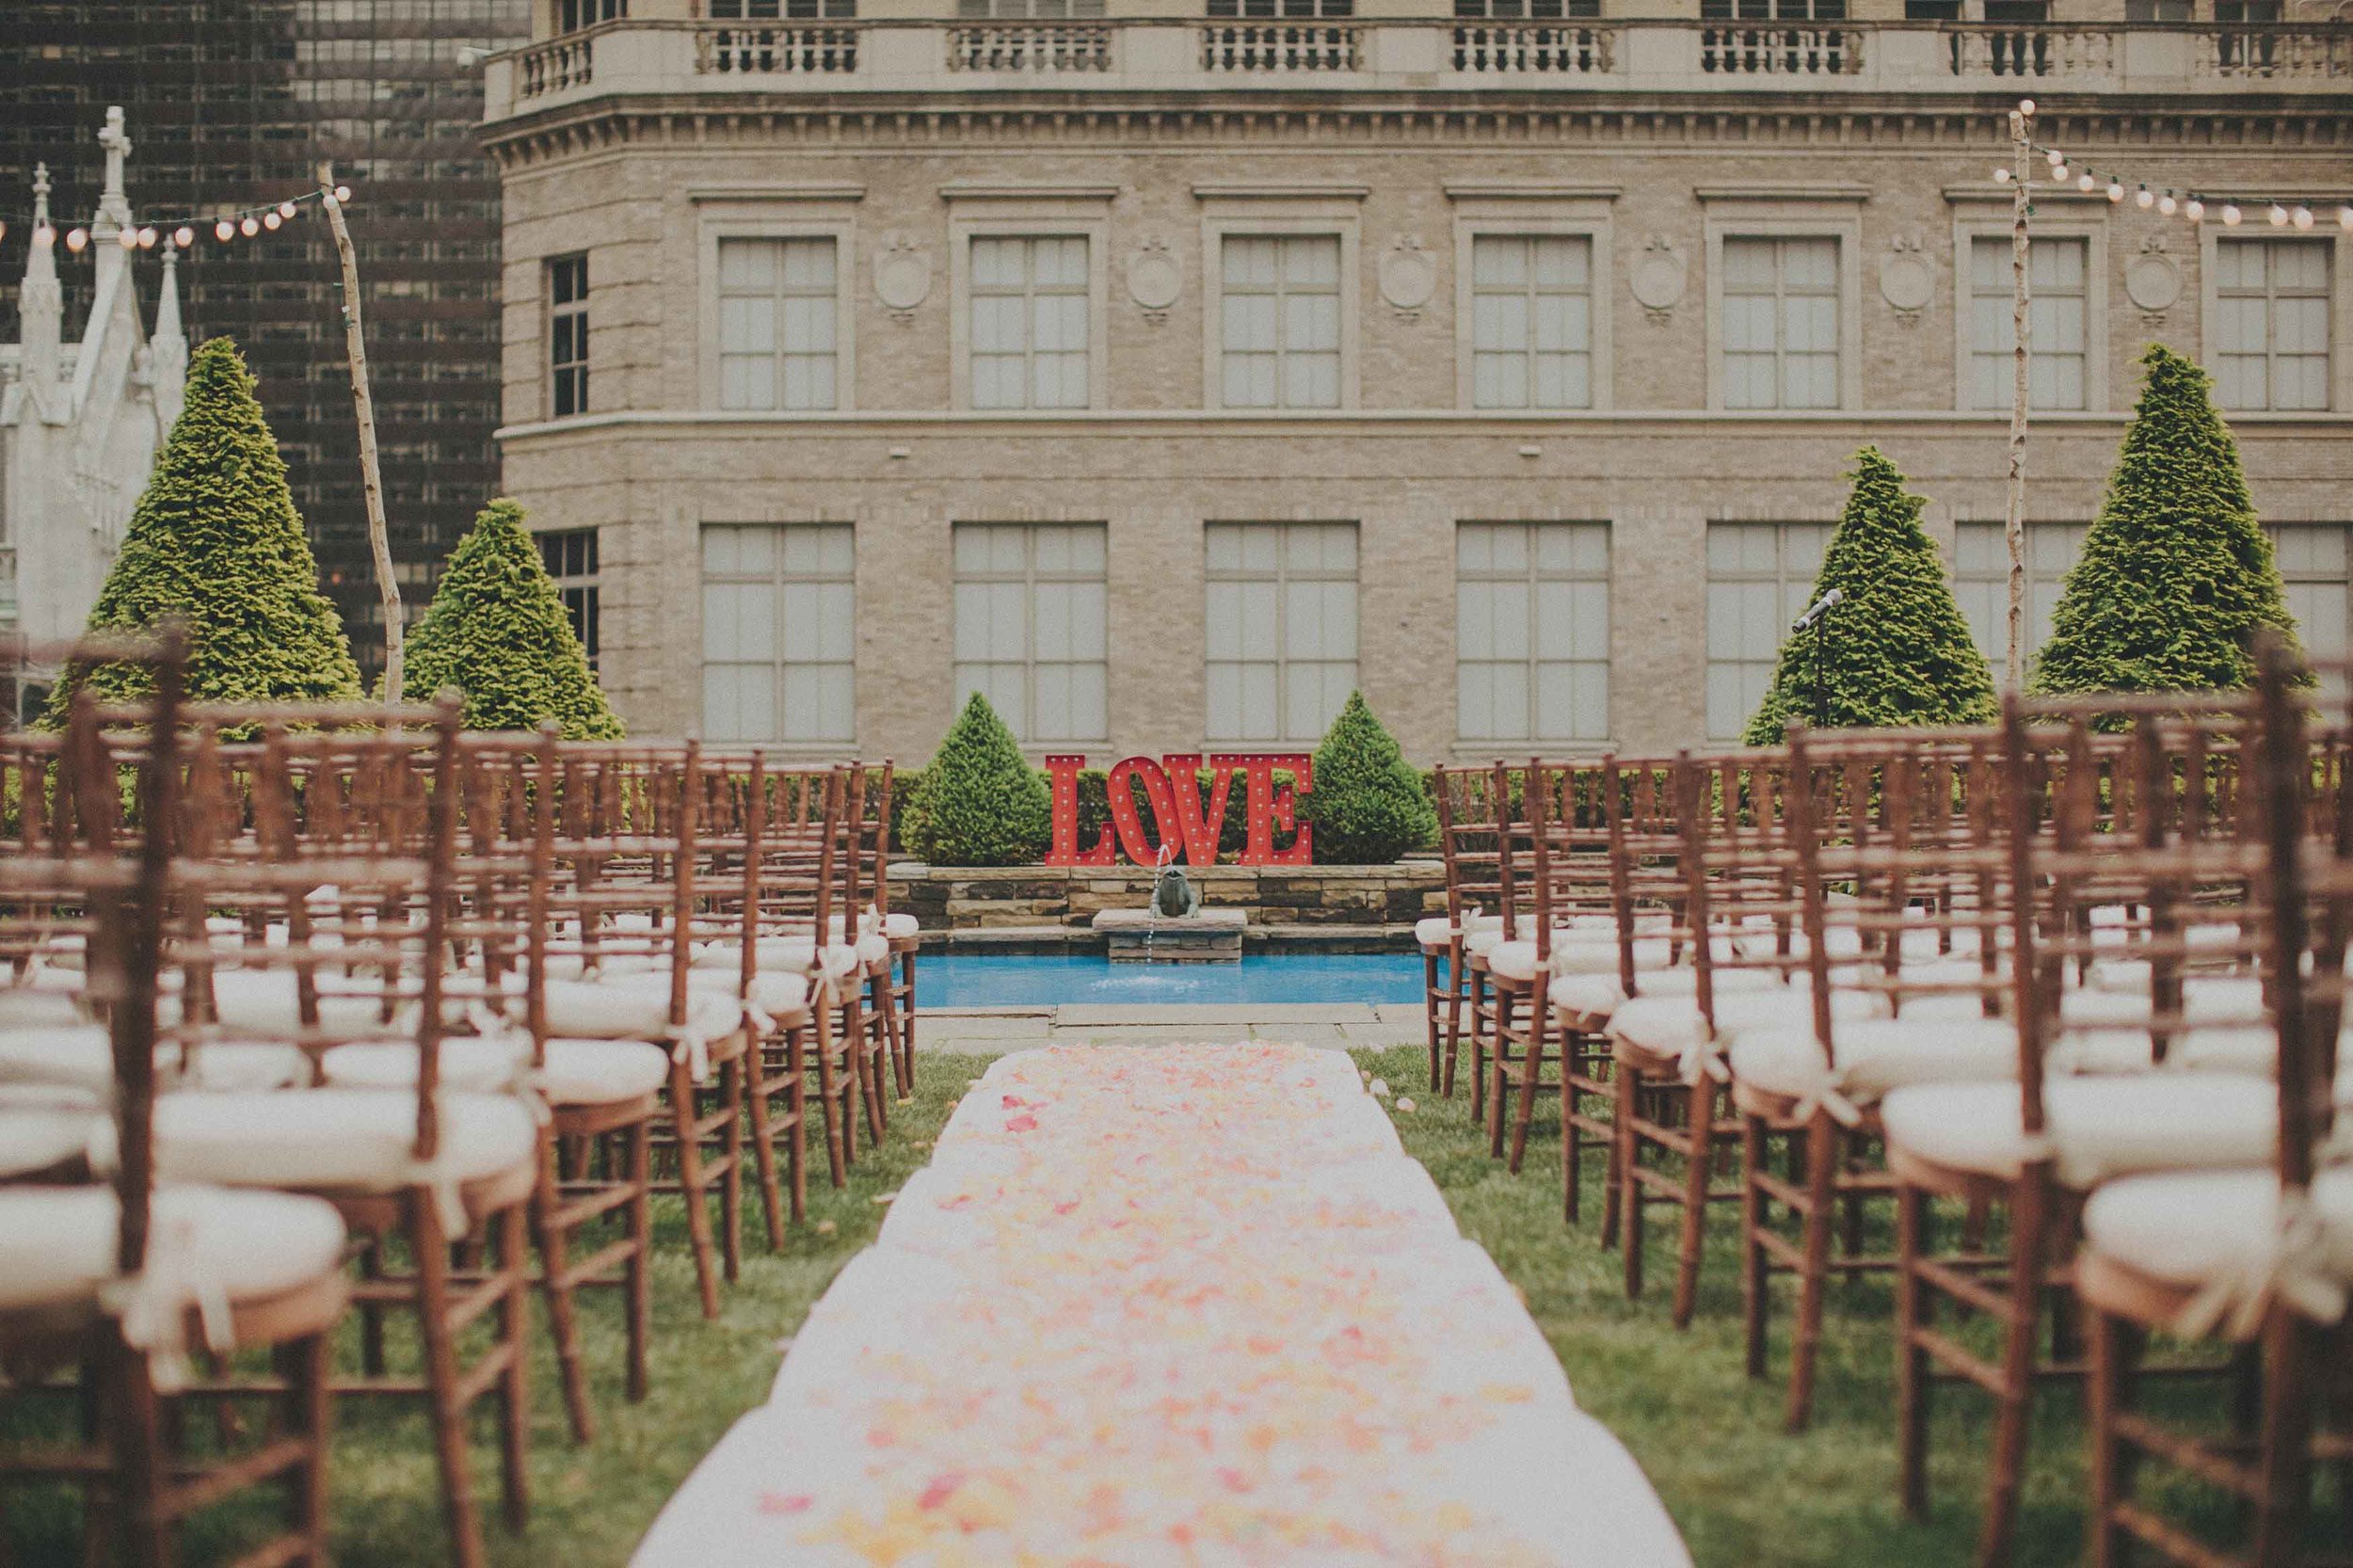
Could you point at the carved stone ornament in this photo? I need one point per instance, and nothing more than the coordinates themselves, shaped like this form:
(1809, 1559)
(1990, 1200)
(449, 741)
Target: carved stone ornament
(1906, 281)
(902, 276)
(1657, 279)
(2152, 280)
(1408, 276)
(1154, 279)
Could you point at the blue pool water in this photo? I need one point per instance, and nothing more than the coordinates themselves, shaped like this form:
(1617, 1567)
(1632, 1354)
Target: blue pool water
(1046, 980)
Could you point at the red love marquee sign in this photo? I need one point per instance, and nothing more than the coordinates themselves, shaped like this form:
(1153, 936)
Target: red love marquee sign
(1181, 819)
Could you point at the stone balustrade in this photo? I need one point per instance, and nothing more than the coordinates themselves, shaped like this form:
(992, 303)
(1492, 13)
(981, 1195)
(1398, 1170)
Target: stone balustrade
(679, 58)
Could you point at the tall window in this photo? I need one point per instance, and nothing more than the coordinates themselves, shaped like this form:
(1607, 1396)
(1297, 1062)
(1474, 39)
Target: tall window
(1532, 631)
(1780, 339)
(2055, 273)
(1981, 582)
(1282, 8)
(568, 335)
(1031, 632)
(2314, 562)
(1021, 9)
(777, 312)
(2271, 322)
(572, 15)
(570, 557)
(780, 632)
(1760, 577)
(1029, 322)
(1282, 627)
(797, 10)
(1533, 10)
(1531, 320)
(1282, 325)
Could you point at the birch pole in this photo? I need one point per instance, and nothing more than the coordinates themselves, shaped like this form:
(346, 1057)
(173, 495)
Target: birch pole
(364, 407)
(2015, 518)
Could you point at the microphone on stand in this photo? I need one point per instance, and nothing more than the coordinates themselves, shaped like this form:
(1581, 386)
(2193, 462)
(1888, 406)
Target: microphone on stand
(1821, 607)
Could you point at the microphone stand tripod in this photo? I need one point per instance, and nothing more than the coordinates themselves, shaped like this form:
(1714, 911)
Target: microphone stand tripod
(1822, 683)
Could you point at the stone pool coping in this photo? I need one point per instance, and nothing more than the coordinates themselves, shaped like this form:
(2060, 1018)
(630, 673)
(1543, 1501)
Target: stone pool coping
(1336, 1025)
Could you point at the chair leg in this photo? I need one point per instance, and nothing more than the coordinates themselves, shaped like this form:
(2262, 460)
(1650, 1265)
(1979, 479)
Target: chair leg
(563, 1317)
(692, 1183)
(1571, 1140)
(2113, 1357)
(2293, 1365)
(637, 1267)
(907, 1014)
(1755, 1262)
(1453, 1018)
(1500, 1084)
(514, 1385)
(796, 1109)
(764, 1144)
(1915, 1310)
(828, 1093)
(2015, 1403)
(372, 1313)
(1532, 1070)
(1629, 1154)
(1429, 1010)
(1696, 1174)
(308, 1364)
(732, 1078)
(443, 1394)
(1478, 1046)
(142, 1467)
(1823, 1164)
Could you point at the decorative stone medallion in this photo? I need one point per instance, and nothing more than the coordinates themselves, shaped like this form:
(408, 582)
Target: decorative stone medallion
(2151, 281)
(1408, 276)
(1657, 279)
(902, 276)
(1906, 281)
(1154, 279)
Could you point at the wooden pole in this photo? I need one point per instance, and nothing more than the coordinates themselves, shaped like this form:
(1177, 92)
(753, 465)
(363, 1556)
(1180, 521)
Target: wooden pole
(2014, 522)
(363, 406)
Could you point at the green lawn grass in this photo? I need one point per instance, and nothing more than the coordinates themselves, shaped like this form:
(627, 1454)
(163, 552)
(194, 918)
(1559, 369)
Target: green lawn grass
(1744, 1494)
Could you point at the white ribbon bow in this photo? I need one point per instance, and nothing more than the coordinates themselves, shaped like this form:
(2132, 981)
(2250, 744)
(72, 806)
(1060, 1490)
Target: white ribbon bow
(2289, 1265)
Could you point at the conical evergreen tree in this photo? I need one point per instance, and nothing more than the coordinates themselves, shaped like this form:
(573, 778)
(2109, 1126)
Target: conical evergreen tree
(497, 631)
(1369, 805)
(2176, 575)
(1898, 651)
(214, 541)
(981, 803)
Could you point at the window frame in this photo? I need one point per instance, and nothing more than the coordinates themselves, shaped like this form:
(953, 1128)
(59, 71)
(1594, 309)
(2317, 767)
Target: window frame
(781, 352)
(1782, 581)
(1533, 576)
(2338, 292)
(1587, 220)
(2054, 583)
(2093, 233)
(1025, 731)
(1767, 217)
(1040, 217)
(557, 311)
(773, 221)
(1332, 217)
(778, 579)
(1287, 732)
(586, 610)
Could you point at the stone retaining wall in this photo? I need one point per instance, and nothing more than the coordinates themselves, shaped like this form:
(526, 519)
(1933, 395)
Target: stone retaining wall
(971, 898)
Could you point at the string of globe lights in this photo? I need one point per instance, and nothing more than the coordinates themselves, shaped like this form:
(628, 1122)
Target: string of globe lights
(225, 228)
(2282, 213)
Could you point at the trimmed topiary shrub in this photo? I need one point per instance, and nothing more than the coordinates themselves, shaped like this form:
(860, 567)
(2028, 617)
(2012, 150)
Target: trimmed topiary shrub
(981, 803)
(1369, 805)
(1898, 651)
(2175, 575)
(216, 540)
(497, 631)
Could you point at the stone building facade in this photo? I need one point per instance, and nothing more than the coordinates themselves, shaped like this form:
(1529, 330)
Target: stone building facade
(1164, 375)
(80, 421)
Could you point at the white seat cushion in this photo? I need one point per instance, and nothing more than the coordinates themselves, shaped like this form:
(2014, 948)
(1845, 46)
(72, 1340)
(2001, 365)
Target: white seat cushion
(899, 925)
(82, 1056)
(208, 1248)
(2224, 1235)
(1513, 961)
(576, 1072)
(1481, 941)
(783, 955)
(266, 1003)
(43, 1126)
(1584, 995)
(1673, 1026)
(336, 1138)
(1435, 932)
(2097, 1127)
(1874, 1056)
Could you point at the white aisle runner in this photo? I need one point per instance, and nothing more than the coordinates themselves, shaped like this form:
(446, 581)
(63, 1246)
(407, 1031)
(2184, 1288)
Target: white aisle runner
(1189, 1307)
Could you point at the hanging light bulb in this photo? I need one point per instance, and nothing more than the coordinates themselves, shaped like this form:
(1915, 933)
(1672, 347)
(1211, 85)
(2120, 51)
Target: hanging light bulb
(222, 229)
(2166, 205)
(127, 238)
(2057, 158)
(2301, 217)
(271, 220)
(2279, 216)
(2230, 214)
(2001, 176)
(2085, 180)
(285, 209)
(147, 238)
(2344, 218)
(2195, 211)
(184, 237)
(2144, 198)
(2060, 175)
(2025, 106)
(250, 227)
(343, 193)
(75, 239)
(2116, 192)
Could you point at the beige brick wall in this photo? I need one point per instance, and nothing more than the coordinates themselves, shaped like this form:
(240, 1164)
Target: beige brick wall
(1403, 466)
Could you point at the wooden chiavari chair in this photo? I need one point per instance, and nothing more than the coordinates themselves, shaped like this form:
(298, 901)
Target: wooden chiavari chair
(900, 930)
(1906, 822)
(118, 1280)
(2255, 1258)
(1470, 819)
(2036, 1148)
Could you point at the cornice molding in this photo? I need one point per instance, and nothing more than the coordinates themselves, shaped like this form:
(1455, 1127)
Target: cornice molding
(1784, 192)
(799, 192)
(974, 190)
(1528, 190)
(1278, 190)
